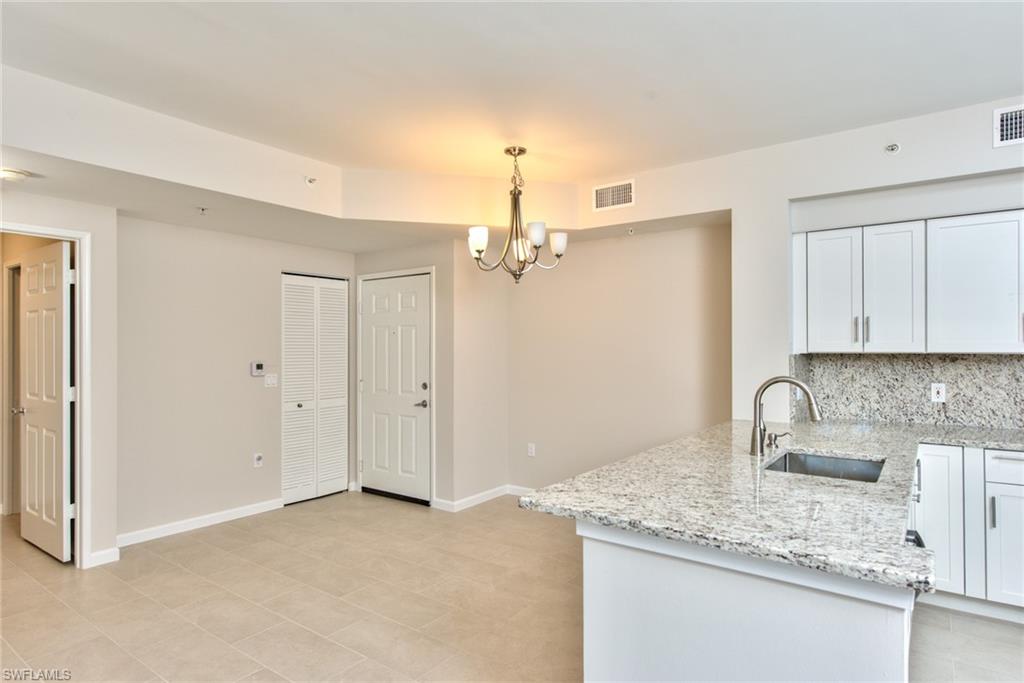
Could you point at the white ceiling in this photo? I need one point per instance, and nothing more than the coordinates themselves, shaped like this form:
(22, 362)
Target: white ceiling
(158, 200)
(590, 89)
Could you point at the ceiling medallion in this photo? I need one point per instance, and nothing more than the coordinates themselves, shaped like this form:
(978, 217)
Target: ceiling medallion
(522, 246)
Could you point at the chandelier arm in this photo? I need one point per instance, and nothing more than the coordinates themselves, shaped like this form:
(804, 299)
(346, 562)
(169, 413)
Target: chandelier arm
(484, 265)
(558, 259)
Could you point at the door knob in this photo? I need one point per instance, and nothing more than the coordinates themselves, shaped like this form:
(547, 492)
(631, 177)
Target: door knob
(421, 404)
(17, 411)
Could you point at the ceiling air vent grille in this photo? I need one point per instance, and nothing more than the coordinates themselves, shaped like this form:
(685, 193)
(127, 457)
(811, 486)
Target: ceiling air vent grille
(1008, 126)
(613, 195)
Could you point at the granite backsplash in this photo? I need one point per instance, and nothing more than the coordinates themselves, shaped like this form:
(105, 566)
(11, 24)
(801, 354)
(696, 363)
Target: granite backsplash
(981, 390)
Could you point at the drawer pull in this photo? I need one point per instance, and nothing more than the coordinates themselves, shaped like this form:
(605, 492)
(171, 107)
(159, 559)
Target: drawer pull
(992, 505)
(1008, 456)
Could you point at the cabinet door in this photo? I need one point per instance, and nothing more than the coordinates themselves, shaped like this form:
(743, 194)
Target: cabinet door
(976, 283)
(894, 281)
(799, 287)
(834, 291)
(1005, 522)
(939, 512)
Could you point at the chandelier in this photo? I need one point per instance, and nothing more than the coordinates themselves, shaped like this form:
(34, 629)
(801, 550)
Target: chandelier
(522, 248)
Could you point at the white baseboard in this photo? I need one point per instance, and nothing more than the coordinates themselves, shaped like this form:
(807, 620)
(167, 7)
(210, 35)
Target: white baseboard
(354, 486)
(514, 490)
(482, 497)
(133, 537)
(99, 557)
(983, 608)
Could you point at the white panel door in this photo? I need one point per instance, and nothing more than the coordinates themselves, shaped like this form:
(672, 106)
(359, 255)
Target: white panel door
(834, 291)
(894, 282)
(976, 283)
(939, 512)
(314, 387)
(45, 388)
(393, 377)
(1005, 522)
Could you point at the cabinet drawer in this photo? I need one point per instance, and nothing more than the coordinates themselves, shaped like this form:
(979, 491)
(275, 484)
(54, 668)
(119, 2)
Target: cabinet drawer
(1004, 467)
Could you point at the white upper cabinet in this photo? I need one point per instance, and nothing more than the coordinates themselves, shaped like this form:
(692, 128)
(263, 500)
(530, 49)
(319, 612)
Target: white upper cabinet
(894, 282)
(976, 283)
(799, 288)
(834, 291)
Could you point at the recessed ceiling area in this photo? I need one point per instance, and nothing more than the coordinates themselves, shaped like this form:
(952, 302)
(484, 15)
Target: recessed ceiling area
(591, 89)
(158, 200)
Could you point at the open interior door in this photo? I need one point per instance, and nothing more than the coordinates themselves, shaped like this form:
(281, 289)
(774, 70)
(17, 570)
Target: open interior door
(45, 398)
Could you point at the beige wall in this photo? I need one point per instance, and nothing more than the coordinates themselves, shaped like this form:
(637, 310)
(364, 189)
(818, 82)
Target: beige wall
(439, 255)
(481, 379)
(623, 347)
(196, 307)
(101, 417)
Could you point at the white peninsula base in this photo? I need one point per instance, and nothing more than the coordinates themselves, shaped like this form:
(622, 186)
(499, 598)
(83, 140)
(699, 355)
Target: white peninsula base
(657, 609)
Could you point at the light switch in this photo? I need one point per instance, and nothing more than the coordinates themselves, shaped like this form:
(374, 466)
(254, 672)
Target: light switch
(270, 379)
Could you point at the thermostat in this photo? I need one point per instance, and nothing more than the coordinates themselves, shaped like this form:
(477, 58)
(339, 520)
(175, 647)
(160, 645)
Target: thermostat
(256, 368)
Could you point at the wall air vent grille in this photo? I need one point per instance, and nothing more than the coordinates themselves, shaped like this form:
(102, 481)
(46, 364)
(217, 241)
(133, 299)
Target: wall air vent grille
(1008, 126)
(613, 195)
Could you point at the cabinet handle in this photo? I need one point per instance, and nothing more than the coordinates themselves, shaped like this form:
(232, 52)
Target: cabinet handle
(867, 329)
(1017, 458)
(918, 465)
(856, 328)
(992, 506)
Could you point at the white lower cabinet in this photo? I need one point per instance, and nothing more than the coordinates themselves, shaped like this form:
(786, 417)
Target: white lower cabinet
(969, 509)
(939, 511)
(1005, 560)
(1004, 525)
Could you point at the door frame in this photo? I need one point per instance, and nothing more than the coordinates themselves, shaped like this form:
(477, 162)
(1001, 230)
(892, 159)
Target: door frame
(357, 375)
(81, 333)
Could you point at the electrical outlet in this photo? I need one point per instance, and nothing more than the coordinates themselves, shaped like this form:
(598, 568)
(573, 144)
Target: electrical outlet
(257, 460)
(938, 393)
(531, 450)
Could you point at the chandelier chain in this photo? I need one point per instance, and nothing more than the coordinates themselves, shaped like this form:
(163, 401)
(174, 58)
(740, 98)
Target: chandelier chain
(517, 177)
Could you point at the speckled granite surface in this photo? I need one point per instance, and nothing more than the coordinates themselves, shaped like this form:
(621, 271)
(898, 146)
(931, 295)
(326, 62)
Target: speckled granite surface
(706, 489)
(985, 390)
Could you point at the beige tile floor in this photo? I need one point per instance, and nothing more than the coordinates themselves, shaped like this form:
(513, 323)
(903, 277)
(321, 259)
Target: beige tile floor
(357, 588)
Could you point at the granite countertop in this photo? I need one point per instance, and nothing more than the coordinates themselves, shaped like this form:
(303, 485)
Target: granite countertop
(707, 489)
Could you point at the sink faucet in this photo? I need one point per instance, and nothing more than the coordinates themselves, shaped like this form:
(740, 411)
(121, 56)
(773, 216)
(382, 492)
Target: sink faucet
(758, 434)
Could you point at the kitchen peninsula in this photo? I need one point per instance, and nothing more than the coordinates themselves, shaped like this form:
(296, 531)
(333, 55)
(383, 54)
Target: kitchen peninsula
(700, 563)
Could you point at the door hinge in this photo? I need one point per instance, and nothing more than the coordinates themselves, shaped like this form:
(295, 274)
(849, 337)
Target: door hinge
(72, 511)
(72, 277)
(72, 394)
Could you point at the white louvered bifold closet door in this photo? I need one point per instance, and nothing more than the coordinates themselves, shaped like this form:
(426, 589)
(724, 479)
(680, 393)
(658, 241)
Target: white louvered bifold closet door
(332, 387)
(314, 387)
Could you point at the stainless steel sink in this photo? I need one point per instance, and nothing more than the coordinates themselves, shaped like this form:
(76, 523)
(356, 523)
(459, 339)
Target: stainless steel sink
(825, 466)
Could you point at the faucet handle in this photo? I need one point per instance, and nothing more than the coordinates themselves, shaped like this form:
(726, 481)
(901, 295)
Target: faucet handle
(772, 439)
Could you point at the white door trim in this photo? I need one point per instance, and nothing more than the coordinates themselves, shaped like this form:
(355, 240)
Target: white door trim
(383, 275)
(83, 550)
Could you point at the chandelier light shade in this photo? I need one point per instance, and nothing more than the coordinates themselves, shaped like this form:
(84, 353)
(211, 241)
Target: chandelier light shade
(521, 251)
